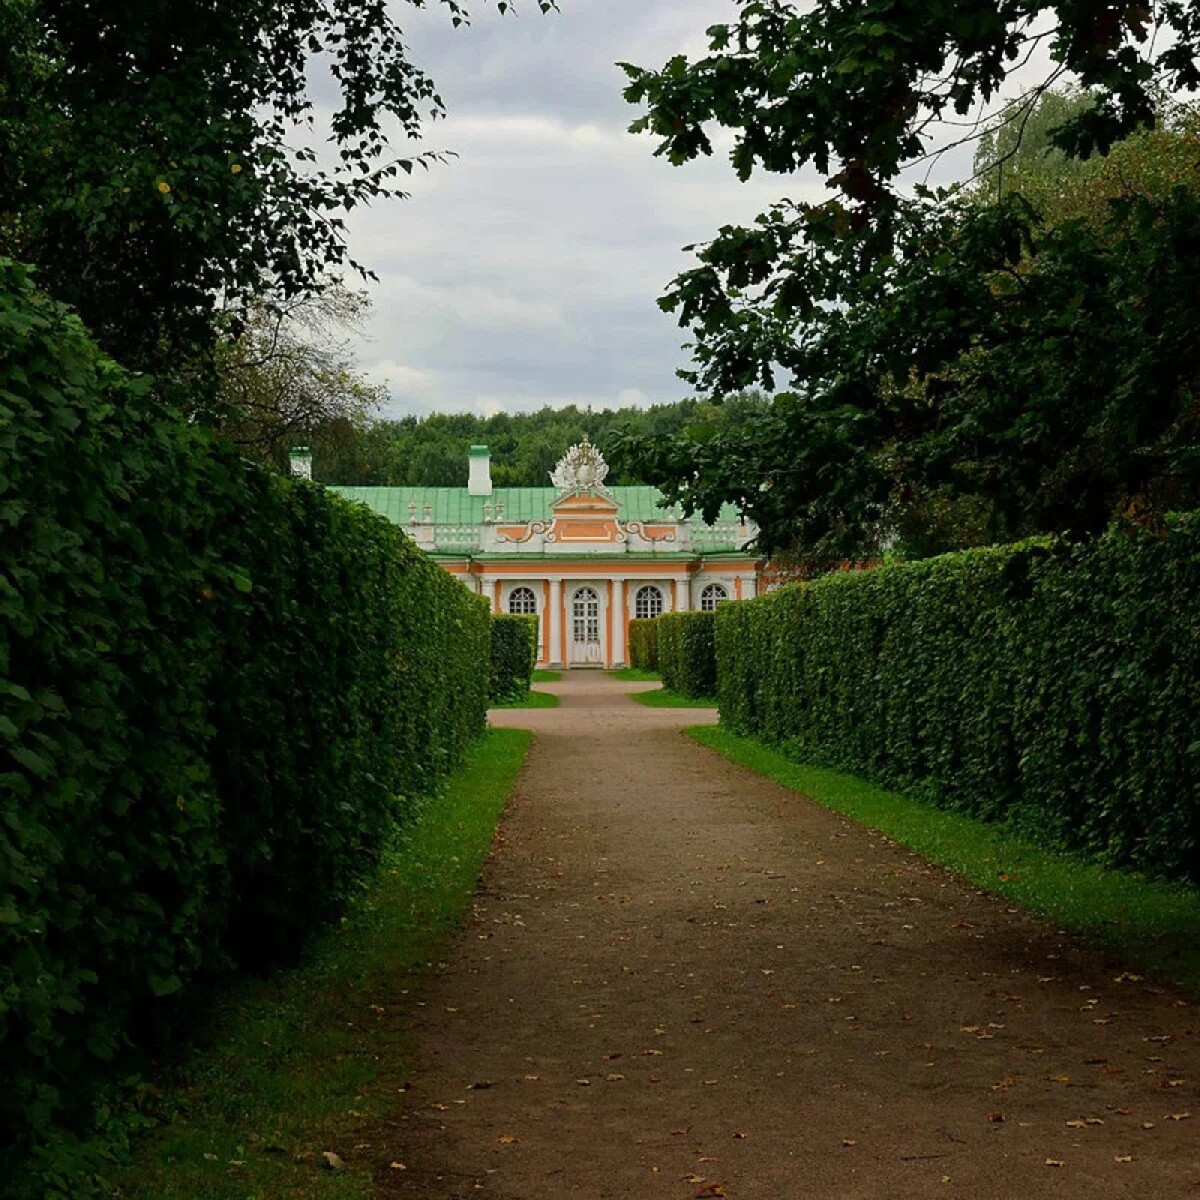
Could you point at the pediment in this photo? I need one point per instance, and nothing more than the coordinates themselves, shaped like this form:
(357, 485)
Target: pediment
(585, 501)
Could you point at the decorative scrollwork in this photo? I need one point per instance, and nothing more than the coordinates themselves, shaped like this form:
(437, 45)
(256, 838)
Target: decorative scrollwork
(531, 530)
(638, 528)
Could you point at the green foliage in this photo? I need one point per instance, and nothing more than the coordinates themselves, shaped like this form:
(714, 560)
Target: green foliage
(219, 689)
(513, 656)
(287, 1061)
(1020, 377)
(850, 89)
(643, 643)
(1049, 685)
(1036, 360)
(525, 447)
(156, 183)
(686, 654)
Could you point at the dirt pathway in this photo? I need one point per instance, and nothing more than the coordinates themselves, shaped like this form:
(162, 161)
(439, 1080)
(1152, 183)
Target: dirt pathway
(681, 980)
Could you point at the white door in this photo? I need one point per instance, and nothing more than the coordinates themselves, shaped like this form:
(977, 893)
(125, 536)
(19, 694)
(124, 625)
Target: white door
(586, 647)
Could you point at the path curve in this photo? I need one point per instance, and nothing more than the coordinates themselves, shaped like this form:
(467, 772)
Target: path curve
(681, 980)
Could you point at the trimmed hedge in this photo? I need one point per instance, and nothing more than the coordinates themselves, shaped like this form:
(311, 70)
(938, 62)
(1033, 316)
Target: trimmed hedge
(687, 658)
(1050, 685)
(643, 643)
(219, 689)
(514, 655)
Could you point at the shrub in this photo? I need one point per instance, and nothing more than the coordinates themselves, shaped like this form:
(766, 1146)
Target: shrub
(514, 655)
(643, 643)
(686, 654)
(218, 689)
(1050, 685)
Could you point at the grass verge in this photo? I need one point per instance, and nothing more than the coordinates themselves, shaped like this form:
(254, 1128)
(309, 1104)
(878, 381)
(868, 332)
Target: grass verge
(297, 1063)
(531, 699)
(665, 698)
(544, 676)
(634, 675)
(1150, 923)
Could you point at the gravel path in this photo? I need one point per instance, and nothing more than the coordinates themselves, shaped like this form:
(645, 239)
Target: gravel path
(681, 980)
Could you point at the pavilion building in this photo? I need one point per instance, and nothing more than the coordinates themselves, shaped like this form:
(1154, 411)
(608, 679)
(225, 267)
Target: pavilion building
(583, 557)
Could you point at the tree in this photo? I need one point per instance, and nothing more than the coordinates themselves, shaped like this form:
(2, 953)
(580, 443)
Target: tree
(290, 375)
(939, 350)
(158, 154)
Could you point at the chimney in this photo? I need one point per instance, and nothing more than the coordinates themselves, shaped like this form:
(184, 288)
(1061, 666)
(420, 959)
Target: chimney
(479, 477)
(300, 458)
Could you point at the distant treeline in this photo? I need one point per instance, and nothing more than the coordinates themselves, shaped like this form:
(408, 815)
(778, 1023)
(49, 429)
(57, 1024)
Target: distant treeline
(432, 451)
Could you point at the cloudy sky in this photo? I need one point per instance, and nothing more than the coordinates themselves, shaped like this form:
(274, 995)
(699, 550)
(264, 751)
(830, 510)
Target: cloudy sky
(525, 271)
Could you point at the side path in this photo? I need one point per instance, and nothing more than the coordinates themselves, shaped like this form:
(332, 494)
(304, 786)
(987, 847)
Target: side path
(681, 980)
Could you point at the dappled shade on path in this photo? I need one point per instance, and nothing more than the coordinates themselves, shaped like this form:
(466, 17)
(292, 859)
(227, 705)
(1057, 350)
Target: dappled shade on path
(682, 980)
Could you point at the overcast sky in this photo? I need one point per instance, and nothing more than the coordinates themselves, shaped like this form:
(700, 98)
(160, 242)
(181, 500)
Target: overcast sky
(525, 271)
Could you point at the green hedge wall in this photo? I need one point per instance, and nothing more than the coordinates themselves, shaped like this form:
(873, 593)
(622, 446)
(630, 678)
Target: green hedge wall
(1053, 686)
(218, 690)
(687, 657)
(643, 643)
(514, 655)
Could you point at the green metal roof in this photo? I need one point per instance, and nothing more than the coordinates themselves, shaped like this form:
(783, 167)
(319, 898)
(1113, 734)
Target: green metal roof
(454, 506)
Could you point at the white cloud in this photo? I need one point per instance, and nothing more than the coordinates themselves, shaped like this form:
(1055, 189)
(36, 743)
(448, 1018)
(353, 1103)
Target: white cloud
(526, 270)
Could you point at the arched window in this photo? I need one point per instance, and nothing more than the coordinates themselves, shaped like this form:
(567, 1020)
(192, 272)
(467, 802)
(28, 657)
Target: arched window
(648, 602)
(713, 594)
(522, 601)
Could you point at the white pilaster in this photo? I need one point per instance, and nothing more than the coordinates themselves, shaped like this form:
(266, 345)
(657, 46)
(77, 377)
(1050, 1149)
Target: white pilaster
(681, 595)
(749, 587)
(555, 622)
(618, 622)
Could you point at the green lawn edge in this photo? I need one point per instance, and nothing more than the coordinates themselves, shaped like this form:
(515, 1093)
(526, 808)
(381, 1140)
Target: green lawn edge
(634, 675)
(531, 699)
(541, 675)
(295, 1066)
(665, 698)
(1147, 922)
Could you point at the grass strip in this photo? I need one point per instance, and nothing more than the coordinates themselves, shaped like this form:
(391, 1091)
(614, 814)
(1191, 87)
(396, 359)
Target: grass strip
(634, 675)
(531, 699)
(544, 676)
(1148, 922)
(297, 1064)
(665, 698)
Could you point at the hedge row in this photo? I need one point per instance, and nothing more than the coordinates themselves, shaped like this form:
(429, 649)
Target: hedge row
(686, 655)
(514, 655)
(643, 643)
(1053, 686)
(218, 691)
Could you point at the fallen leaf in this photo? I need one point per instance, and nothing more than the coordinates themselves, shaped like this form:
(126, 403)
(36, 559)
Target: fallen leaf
(506, 1139)
(1075, 1124)
(584, 1082)
(1122, 1158)
(997, 1117)
(1178, 1116)
(614, 1077)
(849, 1142)
(332, 1161)
(713, 1189)
(1147, 1124)
(397, 1166)
(1055, 1162)
(692, 1178)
